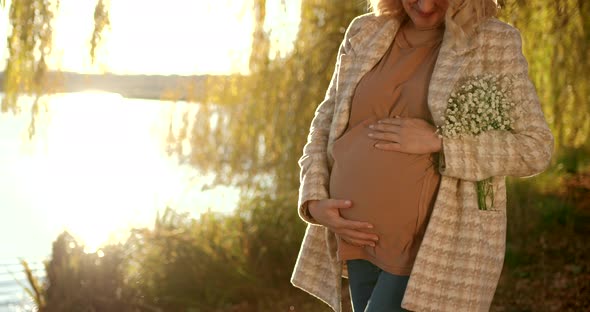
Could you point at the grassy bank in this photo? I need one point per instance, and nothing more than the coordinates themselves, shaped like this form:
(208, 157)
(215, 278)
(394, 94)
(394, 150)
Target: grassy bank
(243, 262)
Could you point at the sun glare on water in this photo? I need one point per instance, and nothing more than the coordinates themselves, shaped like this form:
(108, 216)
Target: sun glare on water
(99, 168)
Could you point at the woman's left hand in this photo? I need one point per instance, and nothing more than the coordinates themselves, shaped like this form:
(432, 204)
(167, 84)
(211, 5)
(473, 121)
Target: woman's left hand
(406, 135)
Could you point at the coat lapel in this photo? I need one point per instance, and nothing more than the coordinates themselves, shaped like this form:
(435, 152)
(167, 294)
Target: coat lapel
(367, 47)
(450, 64)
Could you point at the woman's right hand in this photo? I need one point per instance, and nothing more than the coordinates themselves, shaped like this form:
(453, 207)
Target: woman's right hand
(327, 213)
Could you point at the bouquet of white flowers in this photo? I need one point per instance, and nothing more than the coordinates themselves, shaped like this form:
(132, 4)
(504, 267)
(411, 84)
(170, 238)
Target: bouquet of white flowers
(480, 104)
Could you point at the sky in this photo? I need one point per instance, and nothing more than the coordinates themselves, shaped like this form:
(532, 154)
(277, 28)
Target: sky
(182, 37)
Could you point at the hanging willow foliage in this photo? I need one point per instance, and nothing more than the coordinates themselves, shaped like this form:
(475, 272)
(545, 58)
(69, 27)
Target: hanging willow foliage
(29, 45)
(254, 132)
(556, 42)
(101, 22)
(262, 120)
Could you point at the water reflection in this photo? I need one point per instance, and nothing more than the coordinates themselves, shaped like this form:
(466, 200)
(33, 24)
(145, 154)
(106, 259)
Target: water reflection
(96, 168)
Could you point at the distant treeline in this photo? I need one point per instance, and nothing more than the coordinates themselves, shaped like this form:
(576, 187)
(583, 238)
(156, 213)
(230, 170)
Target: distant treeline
(172, 87)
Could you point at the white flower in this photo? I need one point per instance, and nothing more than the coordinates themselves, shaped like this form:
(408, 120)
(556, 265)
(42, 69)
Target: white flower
(481, 104)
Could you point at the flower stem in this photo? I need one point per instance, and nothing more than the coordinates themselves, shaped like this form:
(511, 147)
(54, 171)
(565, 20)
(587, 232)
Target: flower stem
(484, 189)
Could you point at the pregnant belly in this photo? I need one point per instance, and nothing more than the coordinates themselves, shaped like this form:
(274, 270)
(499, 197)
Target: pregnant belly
(391, 190)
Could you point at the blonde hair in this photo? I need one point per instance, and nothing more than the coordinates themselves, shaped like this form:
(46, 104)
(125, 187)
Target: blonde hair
(462, 17)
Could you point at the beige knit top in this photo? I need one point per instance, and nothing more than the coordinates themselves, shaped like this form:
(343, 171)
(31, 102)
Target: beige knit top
(394, 191)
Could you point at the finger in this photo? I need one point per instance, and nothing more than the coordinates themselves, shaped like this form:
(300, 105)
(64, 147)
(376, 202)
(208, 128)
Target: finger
(359, 235)
(391, 121)
(358, 242)
(385, 136)
(348, 241)
(393, 147)
(354, 225)
(340, 203)
(386, 128)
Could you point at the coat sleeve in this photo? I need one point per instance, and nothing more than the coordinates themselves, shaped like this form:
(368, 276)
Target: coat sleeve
(315, 173)
(524, 151)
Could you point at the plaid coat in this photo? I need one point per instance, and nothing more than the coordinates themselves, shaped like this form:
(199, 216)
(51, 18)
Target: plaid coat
(460, 259)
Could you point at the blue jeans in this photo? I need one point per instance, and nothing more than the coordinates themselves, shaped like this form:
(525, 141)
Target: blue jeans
(374, 290)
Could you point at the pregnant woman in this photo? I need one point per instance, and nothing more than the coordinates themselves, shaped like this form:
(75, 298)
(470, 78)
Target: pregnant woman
(393, 205)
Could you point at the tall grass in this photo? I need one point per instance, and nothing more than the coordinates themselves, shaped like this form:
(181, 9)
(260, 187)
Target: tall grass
(243, 262)
(240, 262)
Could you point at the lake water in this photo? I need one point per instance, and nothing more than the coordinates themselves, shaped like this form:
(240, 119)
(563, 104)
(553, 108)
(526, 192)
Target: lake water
(96, 168)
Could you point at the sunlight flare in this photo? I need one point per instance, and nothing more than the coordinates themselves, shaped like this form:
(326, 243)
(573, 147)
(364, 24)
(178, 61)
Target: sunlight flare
(99, 169)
